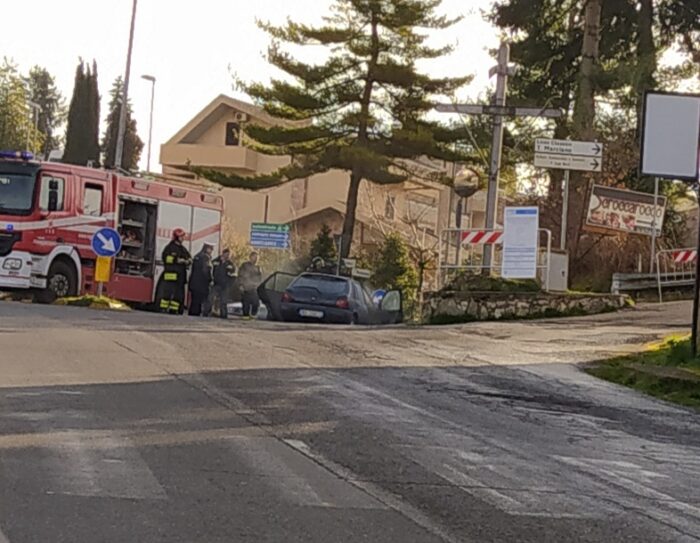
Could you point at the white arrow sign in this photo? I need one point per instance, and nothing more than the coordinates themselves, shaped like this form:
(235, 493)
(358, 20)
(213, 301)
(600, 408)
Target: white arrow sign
(566, 147)
(107, 243)
(569, 162)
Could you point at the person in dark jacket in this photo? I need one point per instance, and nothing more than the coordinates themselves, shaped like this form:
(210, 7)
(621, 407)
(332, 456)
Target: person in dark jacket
(200, 281)
(224, 276)
(176, 260)
(250, 277)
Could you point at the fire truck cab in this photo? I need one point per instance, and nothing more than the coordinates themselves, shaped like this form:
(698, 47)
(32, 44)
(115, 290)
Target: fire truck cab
(50, 211)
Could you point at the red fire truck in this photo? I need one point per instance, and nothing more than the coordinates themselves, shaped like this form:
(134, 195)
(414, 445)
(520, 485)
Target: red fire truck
(50, 211)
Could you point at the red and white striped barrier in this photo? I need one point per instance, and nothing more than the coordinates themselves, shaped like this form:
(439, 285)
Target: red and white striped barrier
(685, 256)
(482, 237)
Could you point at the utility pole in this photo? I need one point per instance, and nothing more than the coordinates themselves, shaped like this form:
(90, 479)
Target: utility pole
(498, 110)
(119, 151)
(34, 109)
(502, 71)
(150, 122)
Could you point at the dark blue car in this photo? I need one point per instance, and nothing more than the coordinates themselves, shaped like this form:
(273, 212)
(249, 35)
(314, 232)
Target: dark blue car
(325, 298)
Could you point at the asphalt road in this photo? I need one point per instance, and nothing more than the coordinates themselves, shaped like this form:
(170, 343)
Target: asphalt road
(137, 427)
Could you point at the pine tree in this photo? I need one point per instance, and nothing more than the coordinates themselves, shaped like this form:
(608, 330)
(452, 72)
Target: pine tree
(83, 119)
(132, 143)
(52, 113)
(364, 109)
(393, 269)
(324, 245)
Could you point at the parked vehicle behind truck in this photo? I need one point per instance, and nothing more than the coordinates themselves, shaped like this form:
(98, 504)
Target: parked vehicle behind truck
(50, 211)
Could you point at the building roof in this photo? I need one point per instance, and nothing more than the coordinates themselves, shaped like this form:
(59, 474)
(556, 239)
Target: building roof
(219, 106)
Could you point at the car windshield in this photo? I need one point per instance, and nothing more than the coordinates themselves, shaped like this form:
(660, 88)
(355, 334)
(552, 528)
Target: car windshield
(331, 286)
(16, 193)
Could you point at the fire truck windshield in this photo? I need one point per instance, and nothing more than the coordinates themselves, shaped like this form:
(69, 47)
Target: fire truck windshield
(16, 192)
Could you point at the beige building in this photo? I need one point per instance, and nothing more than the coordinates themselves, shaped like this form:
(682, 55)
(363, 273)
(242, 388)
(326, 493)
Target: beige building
(215, 138)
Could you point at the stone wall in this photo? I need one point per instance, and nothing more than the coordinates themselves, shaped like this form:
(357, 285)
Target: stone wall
(454, 307)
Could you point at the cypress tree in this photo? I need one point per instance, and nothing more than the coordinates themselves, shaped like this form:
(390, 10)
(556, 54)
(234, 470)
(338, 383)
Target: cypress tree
(133, 145)
(76, 151)
(82, 145)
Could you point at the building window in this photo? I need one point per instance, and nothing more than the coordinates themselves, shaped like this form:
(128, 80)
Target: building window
(233, 134)
(47, 184)
(390, 208)
(92, 201)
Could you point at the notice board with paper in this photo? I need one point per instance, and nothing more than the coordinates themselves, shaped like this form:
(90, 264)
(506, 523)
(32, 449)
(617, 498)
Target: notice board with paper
(520, 242)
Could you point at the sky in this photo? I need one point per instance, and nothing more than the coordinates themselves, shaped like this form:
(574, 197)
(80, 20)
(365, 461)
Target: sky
(192, 49)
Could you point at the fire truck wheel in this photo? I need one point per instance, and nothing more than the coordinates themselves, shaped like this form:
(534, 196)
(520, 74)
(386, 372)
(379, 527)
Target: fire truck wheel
(61, 281)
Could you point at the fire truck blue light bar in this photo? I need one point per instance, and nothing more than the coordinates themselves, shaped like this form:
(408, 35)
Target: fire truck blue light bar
(22, 155)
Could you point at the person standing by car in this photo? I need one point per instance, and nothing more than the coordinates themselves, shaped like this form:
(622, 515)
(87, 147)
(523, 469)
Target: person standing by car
(224, 275)
(176, 260)
(250, 277)
(200, 282)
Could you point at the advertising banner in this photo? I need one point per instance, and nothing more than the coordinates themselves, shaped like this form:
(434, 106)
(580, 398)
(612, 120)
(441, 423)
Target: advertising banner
(624, 211)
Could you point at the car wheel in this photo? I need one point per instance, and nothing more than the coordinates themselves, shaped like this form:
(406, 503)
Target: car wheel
(61, 282)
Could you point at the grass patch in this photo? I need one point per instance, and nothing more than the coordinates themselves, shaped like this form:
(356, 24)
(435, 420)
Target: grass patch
(666, 370)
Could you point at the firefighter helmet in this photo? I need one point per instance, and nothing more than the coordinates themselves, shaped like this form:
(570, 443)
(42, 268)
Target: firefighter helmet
(179, 234)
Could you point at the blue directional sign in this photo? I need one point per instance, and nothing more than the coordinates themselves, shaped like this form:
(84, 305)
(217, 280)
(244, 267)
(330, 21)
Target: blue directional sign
(270, 236)
(378, 296)
(106, 242)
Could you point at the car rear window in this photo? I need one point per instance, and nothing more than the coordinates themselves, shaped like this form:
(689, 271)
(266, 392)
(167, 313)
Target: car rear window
(332, 286)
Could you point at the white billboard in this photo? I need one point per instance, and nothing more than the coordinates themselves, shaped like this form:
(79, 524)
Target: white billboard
(520, 242)
(671, 136)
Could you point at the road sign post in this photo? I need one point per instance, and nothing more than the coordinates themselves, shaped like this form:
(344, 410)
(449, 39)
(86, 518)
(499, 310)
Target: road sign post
(106, 243)
(565, 210)
(567, 155)
(270, 236)
(103, 272)
(498, 110)
(566, 162)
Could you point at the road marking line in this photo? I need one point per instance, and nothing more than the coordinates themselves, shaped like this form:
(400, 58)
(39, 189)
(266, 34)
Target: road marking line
(3, 538)
(390, 500)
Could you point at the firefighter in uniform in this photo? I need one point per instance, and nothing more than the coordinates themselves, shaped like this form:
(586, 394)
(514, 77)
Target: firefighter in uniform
(200, 281)
(176, 260)
(224, 276)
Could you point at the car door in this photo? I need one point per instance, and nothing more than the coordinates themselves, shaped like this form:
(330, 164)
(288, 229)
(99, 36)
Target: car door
(391, 308)
(372, 310)
(54, 205)
(270, 293)
(361, 304)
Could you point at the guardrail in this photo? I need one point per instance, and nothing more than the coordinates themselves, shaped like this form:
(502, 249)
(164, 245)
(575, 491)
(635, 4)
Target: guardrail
(674, 268)
(462, 250)
(632, 282)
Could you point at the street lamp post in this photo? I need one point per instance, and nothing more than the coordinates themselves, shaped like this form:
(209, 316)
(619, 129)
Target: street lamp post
(150, 121)
(35, 110)
(119, 151)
